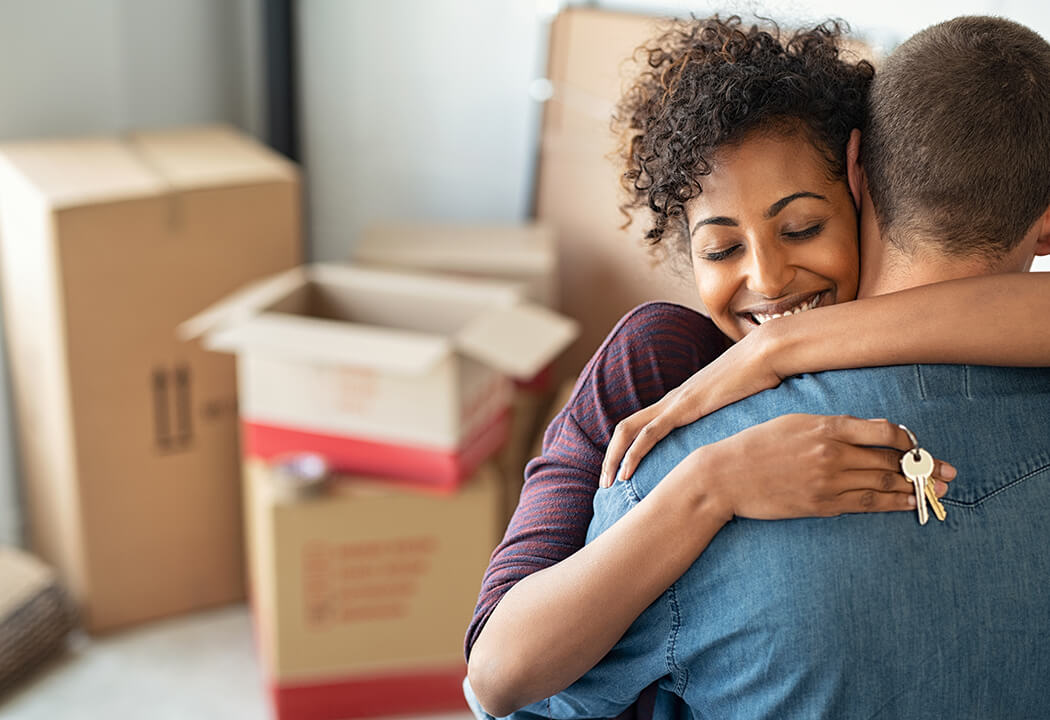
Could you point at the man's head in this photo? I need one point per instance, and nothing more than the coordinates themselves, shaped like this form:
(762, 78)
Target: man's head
(956, 149)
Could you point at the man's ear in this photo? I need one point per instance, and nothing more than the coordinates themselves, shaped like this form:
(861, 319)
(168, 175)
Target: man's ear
(854, 172)
(1042, 241)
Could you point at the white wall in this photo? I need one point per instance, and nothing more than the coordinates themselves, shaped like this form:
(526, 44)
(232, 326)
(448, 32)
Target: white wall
(106, 66)
(887, 22)
(416, 109)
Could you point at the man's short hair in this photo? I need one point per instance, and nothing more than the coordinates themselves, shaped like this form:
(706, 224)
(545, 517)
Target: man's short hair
(957, 144)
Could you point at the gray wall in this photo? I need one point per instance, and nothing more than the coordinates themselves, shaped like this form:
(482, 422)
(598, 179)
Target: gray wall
(73, 67)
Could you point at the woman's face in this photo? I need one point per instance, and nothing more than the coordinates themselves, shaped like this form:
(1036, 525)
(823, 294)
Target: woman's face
(771, 233)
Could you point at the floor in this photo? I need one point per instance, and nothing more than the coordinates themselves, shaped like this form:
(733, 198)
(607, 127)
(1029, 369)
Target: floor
(198, 667)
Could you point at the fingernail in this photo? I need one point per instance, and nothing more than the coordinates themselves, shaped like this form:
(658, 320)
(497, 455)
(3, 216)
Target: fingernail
(941, 488)
(911, 501)
(877, 419)
(947, 471)
(603, 481)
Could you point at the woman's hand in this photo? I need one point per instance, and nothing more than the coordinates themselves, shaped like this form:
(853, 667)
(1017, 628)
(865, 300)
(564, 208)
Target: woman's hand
(742, 370)
(809, 466)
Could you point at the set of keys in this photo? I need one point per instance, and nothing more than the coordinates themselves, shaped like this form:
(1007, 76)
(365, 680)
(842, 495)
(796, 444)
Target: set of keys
(917, 465)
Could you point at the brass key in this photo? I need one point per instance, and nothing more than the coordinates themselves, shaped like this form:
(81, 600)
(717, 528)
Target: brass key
(935, 503)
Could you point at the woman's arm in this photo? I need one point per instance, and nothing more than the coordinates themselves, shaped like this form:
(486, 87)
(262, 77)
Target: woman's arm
(652, 349)
(987, 320)
(556, 624)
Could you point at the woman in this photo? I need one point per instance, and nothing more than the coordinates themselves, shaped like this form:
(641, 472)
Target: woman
(734, 135)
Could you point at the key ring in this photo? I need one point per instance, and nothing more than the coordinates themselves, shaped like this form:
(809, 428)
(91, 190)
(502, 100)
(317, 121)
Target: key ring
(914, 441)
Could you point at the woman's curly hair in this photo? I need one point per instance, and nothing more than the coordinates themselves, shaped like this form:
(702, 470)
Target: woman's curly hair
(707, 83)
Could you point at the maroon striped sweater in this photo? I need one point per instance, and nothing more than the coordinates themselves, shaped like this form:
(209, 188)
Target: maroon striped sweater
(652, 350)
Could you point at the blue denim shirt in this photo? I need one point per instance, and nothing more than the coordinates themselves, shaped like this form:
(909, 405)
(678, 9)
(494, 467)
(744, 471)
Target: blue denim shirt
(859, 616)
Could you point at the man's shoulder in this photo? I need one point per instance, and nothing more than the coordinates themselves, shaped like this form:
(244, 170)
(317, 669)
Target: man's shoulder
(917, 382)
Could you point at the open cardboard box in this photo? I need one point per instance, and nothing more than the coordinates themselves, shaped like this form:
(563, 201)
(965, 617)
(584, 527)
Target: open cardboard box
(389, 374)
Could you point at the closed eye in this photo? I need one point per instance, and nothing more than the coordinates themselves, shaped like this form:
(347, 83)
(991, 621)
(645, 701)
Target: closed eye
(806, 232)
(717, 255)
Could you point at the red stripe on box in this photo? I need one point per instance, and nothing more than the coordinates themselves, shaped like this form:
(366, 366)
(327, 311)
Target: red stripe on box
(539, 382)
(371, 696)
(409, 464)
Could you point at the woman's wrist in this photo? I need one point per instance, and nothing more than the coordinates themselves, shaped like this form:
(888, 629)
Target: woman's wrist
(781, 346)
(702, 482)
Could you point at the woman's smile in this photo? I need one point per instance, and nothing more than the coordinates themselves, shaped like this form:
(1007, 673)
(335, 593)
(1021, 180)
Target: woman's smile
(761, 314)
(774, 232)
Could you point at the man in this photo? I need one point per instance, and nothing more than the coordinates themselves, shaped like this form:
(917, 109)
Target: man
(875, 615)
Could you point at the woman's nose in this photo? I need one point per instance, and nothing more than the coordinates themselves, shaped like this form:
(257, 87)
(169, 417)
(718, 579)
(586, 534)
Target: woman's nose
(770, 272)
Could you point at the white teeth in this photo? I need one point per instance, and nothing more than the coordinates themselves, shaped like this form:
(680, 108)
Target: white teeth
(761, 318)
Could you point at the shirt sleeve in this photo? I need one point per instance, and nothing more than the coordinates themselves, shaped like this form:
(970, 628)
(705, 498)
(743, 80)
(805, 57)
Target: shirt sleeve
(638, 659)
(652, 350)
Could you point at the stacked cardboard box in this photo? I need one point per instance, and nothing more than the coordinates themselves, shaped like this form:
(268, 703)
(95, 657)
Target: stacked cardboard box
(401, 384)
(127, 436)
(362, 591)
(406, 377)
(526, 255)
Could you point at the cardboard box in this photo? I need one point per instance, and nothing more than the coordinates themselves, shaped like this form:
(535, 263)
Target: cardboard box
(128, 437)
(604, 270)
(362, 593)
(525, 254)
(383, 373)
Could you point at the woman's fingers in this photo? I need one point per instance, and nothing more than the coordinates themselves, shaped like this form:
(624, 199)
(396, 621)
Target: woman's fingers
(944, 471)
(869, 440)
(866, 501)
(646, 440)
(625, 433)
(675, 411)
(858, 431)
(882, 481)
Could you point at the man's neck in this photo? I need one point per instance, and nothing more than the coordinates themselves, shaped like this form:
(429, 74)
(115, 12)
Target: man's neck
(894, 270)
(884, 268)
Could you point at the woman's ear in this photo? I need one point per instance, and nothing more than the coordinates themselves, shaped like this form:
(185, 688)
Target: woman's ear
(854, 172)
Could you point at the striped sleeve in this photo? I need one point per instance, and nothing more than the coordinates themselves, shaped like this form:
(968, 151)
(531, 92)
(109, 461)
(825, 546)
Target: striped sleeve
(653, 349)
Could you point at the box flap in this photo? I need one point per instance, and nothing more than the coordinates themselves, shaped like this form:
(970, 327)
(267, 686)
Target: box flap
(69, 173)
(332, 342)
(209, 156)
(395, 281)
(242, 304)
(513, 250)
(519, 340)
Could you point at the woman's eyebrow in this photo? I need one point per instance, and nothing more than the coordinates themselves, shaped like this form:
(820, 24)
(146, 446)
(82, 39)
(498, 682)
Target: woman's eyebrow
(771, 212)
(719, 220)
(784, 201)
